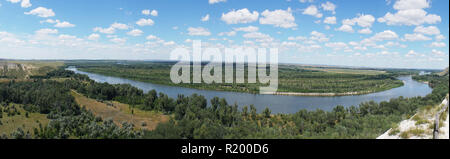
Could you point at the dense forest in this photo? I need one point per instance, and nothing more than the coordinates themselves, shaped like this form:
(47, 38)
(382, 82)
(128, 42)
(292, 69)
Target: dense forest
(291, 78)
(191, 117)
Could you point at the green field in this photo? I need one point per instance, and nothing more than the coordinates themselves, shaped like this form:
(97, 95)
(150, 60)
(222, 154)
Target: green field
(292, 78)
(345, 71)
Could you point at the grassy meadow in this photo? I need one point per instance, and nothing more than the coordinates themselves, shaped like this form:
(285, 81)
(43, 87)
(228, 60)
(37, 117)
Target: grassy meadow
(20, 119)
(120, 112)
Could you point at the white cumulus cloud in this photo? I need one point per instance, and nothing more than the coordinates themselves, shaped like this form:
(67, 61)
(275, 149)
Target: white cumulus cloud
(410, 12)
(94, 37)
(304, 1)
(109, 30)
(216, 1)
(411, 4)
(247, 29)
(438, 44)
(259, 36)
(385, 35)
(25, 4)
(346, 28)
(437, 52)
(231, 33)
(145, 22)
(337, 45)
(146, 12)
(312, 10)
(318, 36)
(135, 32)
(151, 37)
(154, 13)
(365, 31)
(198, 31)
(64, 24)
(363, 20)
(47, 31)
(431, 30)
(112, 28)
(328, 6)
(41, 12)
(416, 37)
(278, 18)
(120, 26)
(240, 16)
(13, 1)
(205, 18)
(330, 20)
(440, 37)
(118, 40)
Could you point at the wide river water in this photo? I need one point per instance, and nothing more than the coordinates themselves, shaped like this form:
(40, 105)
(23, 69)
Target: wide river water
(277, 103)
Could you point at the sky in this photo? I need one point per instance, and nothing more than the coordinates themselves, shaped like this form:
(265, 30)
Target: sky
(365, 33)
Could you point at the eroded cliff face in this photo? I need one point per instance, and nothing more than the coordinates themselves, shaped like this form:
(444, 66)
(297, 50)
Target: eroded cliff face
(444, 73)
(15, 70)
(9, 66)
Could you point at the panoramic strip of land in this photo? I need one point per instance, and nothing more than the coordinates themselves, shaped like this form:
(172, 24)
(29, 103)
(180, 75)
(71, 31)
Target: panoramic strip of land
(43, 100)
(297, 80)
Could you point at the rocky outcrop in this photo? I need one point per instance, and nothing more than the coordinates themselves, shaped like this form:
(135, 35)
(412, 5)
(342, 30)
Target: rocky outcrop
(444, 73)
(421, 125)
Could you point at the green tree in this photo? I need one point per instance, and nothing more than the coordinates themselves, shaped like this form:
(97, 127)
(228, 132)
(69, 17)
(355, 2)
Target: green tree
(150, 100)
(253, 112)
(245, 111)
(267, 112)
(215, 103)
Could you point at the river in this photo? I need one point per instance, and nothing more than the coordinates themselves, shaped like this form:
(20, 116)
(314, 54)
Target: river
(277, 103)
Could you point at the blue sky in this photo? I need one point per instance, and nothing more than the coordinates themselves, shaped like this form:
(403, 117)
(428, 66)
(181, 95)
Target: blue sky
(375, 33)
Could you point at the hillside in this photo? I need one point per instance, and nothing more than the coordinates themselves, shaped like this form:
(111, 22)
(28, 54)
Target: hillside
(14, 117)
(120, 113)
(444, 73)
(421, 125)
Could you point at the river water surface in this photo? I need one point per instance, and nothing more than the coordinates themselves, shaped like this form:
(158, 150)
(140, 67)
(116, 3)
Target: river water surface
(277, 103)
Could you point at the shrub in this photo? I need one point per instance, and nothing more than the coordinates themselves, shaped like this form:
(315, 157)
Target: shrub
(98, 119)
(417, 132)
(419, 120)
(395, 130)
(405, 135)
